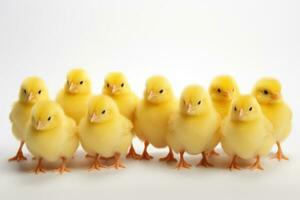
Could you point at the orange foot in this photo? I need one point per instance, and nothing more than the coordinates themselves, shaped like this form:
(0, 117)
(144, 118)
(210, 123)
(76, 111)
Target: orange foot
(204, 162)
(39, 168)
(63, 167)
(256, 165)
(145, 155)
(169, 157)
(279, 154)
(118, 164)
(132, 154)
(213, 153)
(96, 165)
(234, 164)
(182, 163)
(19, 156)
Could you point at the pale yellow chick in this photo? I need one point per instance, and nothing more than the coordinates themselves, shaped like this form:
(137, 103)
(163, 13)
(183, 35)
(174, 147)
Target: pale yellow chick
(194, 127)
(104, 132)
(268, 93)
(118, 88)
(152, 115)
(76, 94)
(51, 135)
(32, 90)
(247, 133)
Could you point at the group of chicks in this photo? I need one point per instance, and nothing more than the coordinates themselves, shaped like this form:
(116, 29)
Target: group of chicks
(247, 126)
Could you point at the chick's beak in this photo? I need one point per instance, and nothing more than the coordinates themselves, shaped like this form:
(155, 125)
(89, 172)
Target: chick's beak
(150, 95)
(93, 118)
(241, 114)
(114, 89)
(228, 94)
(276, 96)
(72, 87)
(39, 125)
(30, 97)
(189, 108)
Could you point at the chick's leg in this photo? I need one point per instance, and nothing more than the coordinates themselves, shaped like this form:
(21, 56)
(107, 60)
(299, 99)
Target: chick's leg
(256, 165)
(63, 167)
(96, 165)
(145, 155)
(170, 157)
(204, 162)
(118, 164)
(132, 154)
(279, 155)
(19, 156)
(182, 163)
(234, 164)
(39, 168)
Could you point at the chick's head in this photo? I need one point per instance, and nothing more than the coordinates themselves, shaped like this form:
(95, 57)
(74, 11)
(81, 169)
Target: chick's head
(46, 115)
(194, 101)
(33, 89)
(223, 88)
(158, 90)
(102, 109)
(78, 82)
(115, 84)
(267, 91)
(245, 108)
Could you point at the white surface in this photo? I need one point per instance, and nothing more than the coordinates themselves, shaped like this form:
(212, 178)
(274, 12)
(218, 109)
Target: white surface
(188, 41)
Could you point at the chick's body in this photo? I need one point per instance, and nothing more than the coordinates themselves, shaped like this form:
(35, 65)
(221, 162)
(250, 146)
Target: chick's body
(51, 135)
(76, 94)
(247, 133)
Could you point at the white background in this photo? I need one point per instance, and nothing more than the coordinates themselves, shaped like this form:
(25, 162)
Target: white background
(187, 41)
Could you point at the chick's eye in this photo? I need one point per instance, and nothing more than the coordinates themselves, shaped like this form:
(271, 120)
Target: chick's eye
(40, 91)
(107, 85)
(81, 82)
(199, 102)
(161, 91)
(122, 85)
(25, 92)
(235, 109)
(250, 109)
(103, 112)
(49, 118)
(219, 90)
(266, 92)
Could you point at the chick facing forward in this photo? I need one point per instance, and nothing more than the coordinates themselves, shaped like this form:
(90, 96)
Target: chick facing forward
(223, 89)
(195, 127)
(51, 135)
(32, 90)
(104, 132)
(76, 94)
(118, 88)
(268, 93)
(152, 115)
(247, 133)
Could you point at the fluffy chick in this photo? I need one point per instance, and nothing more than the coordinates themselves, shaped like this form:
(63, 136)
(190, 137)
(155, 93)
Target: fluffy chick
(104, 132)
(51, 135)
(247, 133)
(152, 115)
(118, 88)
(32, 90)
(223, 89)
(195, 127)
(76, 94)
(268, 93)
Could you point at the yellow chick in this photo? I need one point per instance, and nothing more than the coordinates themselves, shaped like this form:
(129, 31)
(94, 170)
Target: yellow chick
(118, 88)
(247, 133)
(32, 90)
(268, 93)
(104, 132)
(223, 89)
(152, 115)
(51, 135)
(76, 94)
(193, 128)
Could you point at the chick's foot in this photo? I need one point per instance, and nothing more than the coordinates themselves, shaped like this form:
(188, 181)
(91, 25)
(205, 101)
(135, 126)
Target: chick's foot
(204, 162)
(62, 169)
(169, 158)
(19, 156)
(132, 154)
(257, 164)
(39, 168)
(279, 154)
(182, 163)
(234, 164)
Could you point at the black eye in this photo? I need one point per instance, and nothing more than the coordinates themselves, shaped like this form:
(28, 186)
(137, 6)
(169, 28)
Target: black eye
(235, 109)
(49, 118)
(250, 109)
(161, 91)
(25, 92)
(107, 85)
(219, 90)
(81, 82)
(103, 112)
(40, 91)
(266, 92)
(199, 102)
(122, 85)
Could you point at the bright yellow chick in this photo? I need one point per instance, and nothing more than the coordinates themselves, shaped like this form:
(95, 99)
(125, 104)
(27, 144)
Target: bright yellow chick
(268, 93)
(76, 94)
(152, 115)
(104, 132)
(223, 89)
(118, 88)
(32, 90)
(247, 133)
(51, 135)
(195, 126)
